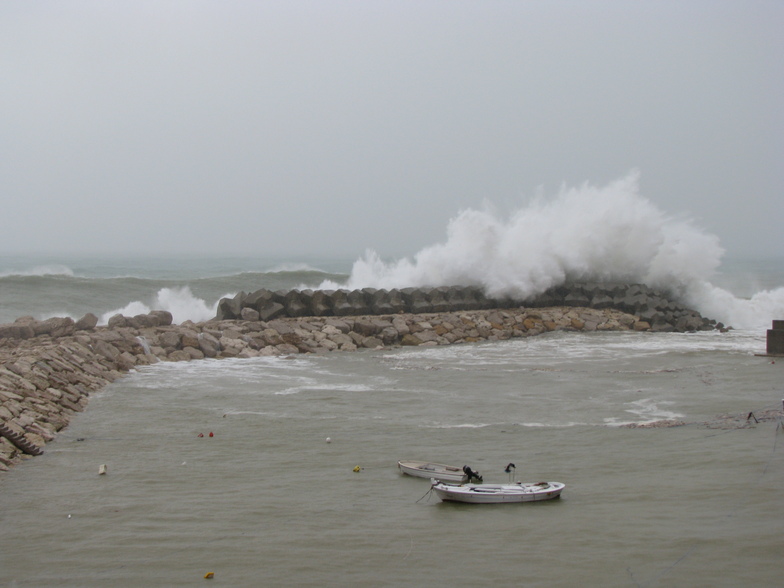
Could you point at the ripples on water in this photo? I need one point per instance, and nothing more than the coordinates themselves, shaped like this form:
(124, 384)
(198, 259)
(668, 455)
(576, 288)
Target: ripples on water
(267, 501)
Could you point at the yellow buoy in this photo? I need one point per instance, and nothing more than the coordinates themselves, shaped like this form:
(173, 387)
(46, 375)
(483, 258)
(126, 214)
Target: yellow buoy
(357, 468)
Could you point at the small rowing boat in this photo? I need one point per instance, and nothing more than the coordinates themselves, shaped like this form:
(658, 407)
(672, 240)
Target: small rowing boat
(438, 471)
(497, 493)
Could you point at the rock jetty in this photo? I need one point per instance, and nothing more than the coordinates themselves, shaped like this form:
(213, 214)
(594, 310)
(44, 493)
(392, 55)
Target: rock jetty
(654, 307)
(48, 369)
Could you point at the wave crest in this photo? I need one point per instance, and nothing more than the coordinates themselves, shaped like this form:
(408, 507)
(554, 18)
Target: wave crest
(587, 233)
(40, 271)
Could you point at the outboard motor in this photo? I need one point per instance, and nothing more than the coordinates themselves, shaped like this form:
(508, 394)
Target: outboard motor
(472, 475)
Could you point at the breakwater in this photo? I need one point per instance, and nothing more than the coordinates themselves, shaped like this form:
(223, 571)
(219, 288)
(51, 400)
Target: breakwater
(49, 369)
(651, 306)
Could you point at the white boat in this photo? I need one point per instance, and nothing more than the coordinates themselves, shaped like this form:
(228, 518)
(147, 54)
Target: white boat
(496, 493)
(438, 471)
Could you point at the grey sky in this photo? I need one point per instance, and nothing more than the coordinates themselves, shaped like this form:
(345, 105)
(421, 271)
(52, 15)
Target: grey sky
(293, 128)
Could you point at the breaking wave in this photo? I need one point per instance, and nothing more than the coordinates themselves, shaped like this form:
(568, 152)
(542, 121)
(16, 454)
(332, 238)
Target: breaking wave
(180, 302)
(587, 233)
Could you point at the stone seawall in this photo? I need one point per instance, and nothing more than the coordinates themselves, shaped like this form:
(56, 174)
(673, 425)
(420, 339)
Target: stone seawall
(48, 369)
(654, 307)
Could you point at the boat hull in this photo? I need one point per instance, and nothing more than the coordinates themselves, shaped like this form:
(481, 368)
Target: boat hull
(498, 493)
(437, 471)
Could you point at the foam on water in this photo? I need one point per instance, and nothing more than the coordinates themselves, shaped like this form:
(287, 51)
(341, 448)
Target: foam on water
(646, 410)
(547, 352)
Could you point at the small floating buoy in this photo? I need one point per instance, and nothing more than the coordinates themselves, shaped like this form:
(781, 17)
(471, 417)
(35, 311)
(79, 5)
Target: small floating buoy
(102, 469)
(357, 468)
(211, 435)
(329, 440)
(200, 435)
(209, 575)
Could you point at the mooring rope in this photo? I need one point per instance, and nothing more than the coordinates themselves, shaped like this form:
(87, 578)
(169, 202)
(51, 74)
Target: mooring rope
(427, 494)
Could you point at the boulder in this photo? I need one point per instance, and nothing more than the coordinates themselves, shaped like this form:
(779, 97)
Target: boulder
(453, 296)
(249, 314)
(16, 331)
(416, 301)
(335, 323)
(268, 304)
(321, 303)
(272, 311)
(366, 327)
(230, 308)
(340, 303)
(162, 318)
(142, 321)
(378, 301)
(372, 342)
(257, 300)
(576, 297)
(389, 335)
(601, 300)
(395, 299)
(189, 338)
(400, 325)
(295, 304)
(117, 321)
(688, 323)
(281, 327)
(54, 327)
(170, 340)
(438, 302)
(209, 345)
(358, 302)
(106, 350)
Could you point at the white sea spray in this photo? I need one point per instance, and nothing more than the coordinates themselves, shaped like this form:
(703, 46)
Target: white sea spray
(585, 233)
(180, 302)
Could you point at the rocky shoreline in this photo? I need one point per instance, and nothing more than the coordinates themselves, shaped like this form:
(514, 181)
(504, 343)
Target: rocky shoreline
(49, 369)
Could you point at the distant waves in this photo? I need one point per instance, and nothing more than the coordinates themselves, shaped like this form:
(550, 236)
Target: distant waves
(63, 293)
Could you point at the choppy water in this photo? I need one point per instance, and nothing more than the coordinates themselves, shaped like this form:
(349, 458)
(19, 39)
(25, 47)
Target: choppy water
(267, 501)
(745, 293)
(188, 287)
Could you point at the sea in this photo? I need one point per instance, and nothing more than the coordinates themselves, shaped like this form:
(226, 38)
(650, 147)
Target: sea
(282, 471)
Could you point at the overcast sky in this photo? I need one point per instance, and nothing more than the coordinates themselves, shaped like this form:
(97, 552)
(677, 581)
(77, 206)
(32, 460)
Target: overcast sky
(327, 127)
